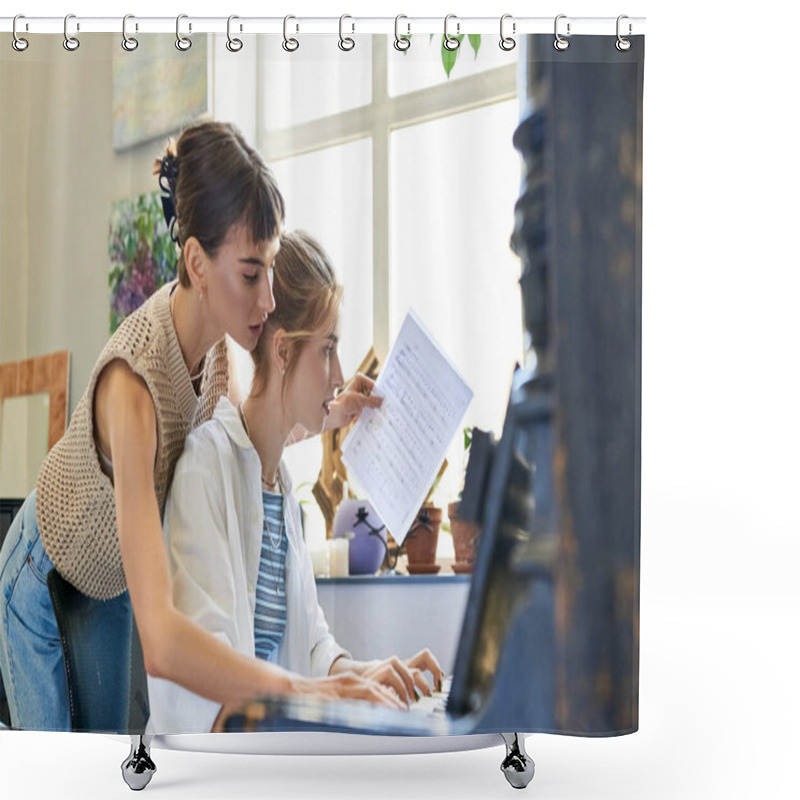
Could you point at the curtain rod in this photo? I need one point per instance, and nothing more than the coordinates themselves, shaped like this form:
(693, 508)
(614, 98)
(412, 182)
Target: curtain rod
(567, 26)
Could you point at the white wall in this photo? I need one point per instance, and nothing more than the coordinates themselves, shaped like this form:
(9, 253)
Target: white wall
(54, 223)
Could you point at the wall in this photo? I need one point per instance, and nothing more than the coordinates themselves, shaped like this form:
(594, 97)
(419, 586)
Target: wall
(55, 197)
(433, 610)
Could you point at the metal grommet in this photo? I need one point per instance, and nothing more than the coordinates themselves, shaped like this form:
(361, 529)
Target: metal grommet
(560, 43)
(70, 43)
(345, 42)
(401, 43)
(506, 42)
(233, 45)
(129, 43)
(183, 43)
(623, 44)
(289, 44)
(451, 42)
(18, 43)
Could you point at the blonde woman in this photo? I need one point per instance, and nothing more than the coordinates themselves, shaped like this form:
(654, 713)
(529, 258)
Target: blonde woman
(232, 523)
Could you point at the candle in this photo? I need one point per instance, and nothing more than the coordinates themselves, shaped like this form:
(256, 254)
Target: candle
(320, 561)
(339, 553)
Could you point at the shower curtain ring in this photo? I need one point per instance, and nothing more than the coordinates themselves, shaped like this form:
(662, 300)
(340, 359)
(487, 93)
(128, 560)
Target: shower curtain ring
(451, 42)
(18, 43)
(560, 42)
(70, 43)
(345, 42)
(233, 45)
(129, 43)
(623, 44)
(506, 42)
(401, 43)
(183, 43)
(289, 44)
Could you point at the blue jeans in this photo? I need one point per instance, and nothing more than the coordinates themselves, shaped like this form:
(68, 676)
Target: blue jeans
(31, 658)
(31, 654)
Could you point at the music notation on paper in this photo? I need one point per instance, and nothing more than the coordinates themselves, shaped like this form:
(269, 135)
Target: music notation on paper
(394, 452)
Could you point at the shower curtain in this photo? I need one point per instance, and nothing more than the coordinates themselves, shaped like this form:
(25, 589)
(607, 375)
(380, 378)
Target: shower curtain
(495, 192)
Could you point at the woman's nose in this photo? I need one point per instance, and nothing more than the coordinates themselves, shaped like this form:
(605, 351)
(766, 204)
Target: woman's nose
(267, 297)
(338, 377)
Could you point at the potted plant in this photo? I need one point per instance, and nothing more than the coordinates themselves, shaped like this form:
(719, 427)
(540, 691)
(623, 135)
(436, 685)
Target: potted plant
(423, 535)
(465, 534)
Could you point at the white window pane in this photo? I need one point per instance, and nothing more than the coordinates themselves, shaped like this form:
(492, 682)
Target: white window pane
(454, 185)
(315, 81)
(421, 65)
(329, 194)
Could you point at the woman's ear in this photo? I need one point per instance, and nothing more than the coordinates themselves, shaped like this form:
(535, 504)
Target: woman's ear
(281, 348)
(196, 261)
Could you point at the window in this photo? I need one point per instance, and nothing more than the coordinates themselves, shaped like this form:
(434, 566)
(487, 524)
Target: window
(409, 180)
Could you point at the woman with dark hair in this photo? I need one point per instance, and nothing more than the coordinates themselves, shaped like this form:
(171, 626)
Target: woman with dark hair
(95, 515)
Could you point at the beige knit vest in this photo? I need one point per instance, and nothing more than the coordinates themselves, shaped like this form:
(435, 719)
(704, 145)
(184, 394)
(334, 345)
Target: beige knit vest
(75, 505)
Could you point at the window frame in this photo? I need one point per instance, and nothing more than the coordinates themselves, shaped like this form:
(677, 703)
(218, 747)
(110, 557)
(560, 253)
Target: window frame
(377, 121)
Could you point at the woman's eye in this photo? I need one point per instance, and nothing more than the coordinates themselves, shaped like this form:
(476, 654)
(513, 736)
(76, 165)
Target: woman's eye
(251, 278)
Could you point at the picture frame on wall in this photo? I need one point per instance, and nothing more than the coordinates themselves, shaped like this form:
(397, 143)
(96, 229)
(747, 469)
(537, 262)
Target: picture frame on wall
(146, 102)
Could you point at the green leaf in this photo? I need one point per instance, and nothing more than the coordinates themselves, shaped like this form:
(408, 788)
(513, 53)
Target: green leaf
(475, 41)
(449, 56)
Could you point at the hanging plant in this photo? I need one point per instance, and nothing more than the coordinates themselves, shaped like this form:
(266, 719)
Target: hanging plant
(449, 57)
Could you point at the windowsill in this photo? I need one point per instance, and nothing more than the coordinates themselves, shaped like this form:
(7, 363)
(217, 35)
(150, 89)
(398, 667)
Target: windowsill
(441, 577)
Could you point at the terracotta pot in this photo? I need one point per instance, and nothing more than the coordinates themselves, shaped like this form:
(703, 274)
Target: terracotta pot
(423, 536)
(465, 535)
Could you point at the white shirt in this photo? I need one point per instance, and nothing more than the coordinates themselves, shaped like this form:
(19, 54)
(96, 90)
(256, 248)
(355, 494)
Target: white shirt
(213, 524)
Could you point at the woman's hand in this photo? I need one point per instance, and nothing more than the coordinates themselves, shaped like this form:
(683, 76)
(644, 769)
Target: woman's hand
(342, 686)
(352, 400)
(404, 677)
(347, 685)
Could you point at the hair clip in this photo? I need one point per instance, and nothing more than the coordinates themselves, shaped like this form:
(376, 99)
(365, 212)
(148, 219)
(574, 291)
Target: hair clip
(168, 207)
(168, 173)
(167, 179)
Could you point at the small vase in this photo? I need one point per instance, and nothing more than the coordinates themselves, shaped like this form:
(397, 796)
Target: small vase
(423, 536)
(357, 520)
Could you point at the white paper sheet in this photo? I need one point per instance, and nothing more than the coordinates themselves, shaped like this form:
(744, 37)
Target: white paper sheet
(395, 452)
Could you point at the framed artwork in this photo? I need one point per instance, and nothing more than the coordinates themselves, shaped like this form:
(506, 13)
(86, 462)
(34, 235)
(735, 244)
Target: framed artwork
(141, 253)
(153, 95)
(34, 398)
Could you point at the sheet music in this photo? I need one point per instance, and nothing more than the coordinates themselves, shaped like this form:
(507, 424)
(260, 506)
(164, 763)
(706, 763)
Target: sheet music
(394, 452)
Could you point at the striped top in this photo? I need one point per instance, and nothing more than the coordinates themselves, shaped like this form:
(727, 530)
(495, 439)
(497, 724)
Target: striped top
(270, 617)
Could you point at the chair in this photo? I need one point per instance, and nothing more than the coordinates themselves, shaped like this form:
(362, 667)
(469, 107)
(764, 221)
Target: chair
(96, 640)
(104, 667)
(106, 680)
